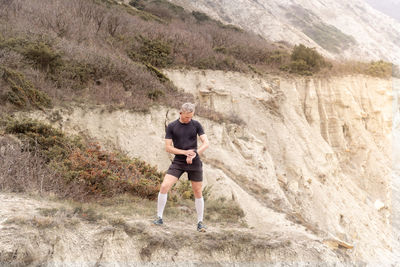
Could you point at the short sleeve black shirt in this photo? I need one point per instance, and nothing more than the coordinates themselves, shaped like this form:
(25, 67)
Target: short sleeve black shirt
(184, 136)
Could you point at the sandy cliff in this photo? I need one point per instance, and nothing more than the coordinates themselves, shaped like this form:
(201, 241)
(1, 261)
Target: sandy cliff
(312, 161)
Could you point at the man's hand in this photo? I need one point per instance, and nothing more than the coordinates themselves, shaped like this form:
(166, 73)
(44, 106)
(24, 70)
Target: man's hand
(190, 153)
(190, 156)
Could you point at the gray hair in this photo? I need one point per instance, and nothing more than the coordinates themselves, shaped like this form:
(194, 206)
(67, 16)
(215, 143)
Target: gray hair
(187, 108)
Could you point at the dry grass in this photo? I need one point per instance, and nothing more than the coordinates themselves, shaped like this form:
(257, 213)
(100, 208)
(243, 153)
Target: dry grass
(35, 222)
(21, 168)
(179, 234)
(379, 69)
(241, 245)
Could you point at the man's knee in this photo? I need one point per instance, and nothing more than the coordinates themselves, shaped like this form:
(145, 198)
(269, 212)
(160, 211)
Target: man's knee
(168, 182)
(197, 194)
(164, 188)
(197, 190)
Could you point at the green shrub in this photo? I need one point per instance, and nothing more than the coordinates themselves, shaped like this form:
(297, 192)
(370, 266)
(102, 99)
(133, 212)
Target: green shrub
(17, 44)
(184, 190)
(161, 9)
(139, 4)
(380, 69)
(200, 16)
(155, 52)
(300, 67)
(73, 74)
(65, 73)
(52, 143)
(160, 76)
(23, 94)
(216, 63)
(277, 57)
(304, 61)
(37, 51)
(229, 27)
(311, 57)
(42, 56)
(249, 54)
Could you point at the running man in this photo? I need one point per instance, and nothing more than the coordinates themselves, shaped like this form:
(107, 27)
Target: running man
(181, 140)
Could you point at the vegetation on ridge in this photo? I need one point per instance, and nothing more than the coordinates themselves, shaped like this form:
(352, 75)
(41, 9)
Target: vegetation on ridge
(104, 52)
(44, 159)
(82, 170)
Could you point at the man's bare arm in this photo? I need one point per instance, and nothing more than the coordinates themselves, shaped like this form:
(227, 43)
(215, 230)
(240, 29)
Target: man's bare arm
(205, 144)
(171, 149)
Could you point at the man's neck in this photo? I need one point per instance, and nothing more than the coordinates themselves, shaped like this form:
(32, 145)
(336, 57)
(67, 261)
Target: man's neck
(184, 122)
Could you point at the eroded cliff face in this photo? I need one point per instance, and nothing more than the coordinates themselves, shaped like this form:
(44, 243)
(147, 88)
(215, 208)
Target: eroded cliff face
(313, 159)
(320, 147)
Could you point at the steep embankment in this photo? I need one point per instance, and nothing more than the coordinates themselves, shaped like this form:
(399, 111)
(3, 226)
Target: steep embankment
(313, 159)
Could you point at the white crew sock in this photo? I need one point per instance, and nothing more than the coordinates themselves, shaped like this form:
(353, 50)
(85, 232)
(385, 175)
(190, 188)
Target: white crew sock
(199, 203)
(162, 200)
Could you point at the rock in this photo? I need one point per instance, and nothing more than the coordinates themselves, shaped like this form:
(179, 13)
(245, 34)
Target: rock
(379, 204)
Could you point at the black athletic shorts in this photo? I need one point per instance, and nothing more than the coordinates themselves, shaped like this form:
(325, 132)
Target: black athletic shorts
(194, 171)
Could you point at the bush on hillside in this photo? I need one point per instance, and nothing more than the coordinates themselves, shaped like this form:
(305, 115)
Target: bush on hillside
(51, 143)
(380, 68)
(42, 56)
(152, 51)
(86, 170)
(162, 9)
(65, 73)
(23, 94)
(137, 4)
(278, 58)
(184, 190)
(252, 55)
(200, 16)
(73, 168)
(217, 63)
(305, 61)
(309, 55)
(160, 76)
(73, 74)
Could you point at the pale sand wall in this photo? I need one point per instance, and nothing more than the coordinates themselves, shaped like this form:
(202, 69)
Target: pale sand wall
(318, 150)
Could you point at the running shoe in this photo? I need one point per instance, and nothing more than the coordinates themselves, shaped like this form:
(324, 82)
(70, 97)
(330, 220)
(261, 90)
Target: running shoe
(201, 227)
(158, 221)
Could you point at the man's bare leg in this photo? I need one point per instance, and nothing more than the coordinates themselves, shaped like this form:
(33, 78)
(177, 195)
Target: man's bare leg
(168, 182)
(197, 189)
(199, 203)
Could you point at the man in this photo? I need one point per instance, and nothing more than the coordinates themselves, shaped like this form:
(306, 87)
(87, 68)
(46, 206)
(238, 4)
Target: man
(181, 140)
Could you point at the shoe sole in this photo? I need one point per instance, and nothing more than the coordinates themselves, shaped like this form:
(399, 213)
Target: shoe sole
(202, 230)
